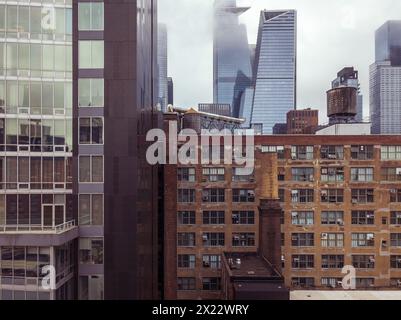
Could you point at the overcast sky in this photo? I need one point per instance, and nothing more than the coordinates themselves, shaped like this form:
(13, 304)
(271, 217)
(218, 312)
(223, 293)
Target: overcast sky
(331, 35)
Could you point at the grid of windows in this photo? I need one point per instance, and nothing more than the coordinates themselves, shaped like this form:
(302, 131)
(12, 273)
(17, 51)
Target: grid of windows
(332, 240)
(332, 195)
(363, 261)
(213, 217)
(395, 217)
(280, 150)
(243, 217)
(90, 16)
(91, 54)
(363, 240)
(391, 174)
(301, 218)
(213, 195)
(302, 195)
(395, 262)
(243, 195)
(332, 174)
(302, 152)
(302, 282)
(212, 261)
(243, 240)
(332, 217)
(90, 208)
(332, 152)
(332, 261)
(331, 282)
(302, 261)
(90, 92)
(362, 174)
(186, 239)
(211, 284)
(90, 251)
(185, 284)
(361, 152)
(395, 195)
(391, 152)
(303, 239)
(242, 175)
(302, 174)
(213, 239)
(186, 261)
(186, 217)
(91, 169)
(363, 217)
(186, 195)
(186, 174)
(91, 130)
(214, 174)
(395, 239)
(363, 283)
(362, 195)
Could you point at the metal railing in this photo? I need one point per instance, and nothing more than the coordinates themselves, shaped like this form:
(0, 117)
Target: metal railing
(19, 228)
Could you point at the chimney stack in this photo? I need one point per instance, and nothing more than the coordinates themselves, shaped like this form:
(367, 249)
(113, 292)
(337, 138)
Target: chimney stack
(269, 211)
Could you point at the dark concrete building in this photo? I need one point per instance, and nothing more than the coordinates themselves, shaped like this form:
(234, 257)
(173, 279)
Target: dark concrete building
(302, 121)
(115, 98)
(170, 91)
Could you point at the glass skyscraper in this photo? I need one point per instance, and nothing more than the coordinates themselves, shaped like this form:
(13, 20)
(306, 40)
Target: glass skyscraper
(232, 71)
(385, 80)
(162, 65)
(275, 69)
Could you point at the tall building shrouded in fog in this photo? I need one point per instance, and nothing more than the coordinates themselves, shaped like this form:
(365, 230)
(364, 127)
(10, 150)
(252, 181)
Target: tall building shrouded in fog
(232, 70)
(275, 69)
(385, 80)
(170, 91)
(162, 66)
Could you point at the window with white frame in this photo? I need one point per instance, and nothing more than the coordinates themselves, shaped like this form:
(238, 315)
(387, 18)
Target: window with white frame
(213, 174)
(363, 240)
(332, 152)
(361, 152)
(332, 174)
(332, 217)
(363, 217)
(303, 174)
(332, 195)
(391, 152)
(301, 218)
(332, 240)
(302, 195)
(363, 261)
(362, 174)
(302, 152)
(303, 239)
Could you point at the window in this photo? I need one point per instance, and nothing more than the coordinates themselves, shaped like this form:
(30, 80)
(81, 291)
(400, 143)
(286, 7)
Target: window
(395, 239)
(213, 217)
(186, 217)
(185, 284)
(91, 92)
(395, 217)
(332, 195)
(242, 175)
(281, 174)
(91, 54)
(302, 152)
(186, 174)
(213, 239)
(91, 169)
(302, 261)
(243, 195)
(363, 261)
(302, 239)
(332, 174)
(211, 284)
(90, 251)
(275, 149)
(213, 195)
(243, 239)
(363, 217)
(302, 195)
(186, 195)
(185, 239)
(359, 152)
(91, 130)
(364, 282)
(302, 282)
(395, 195)
(186, 261)
(362, 240)
(332, 152)
(395, 262)
(302, 174)
(362, 174)
(281, 195)
(243, 217)
(212, 261)
(362, 195)
(332, 261)
(332, 240)
(90, 209)
(391, 152)
(90, 16)
(213, 174)
(331, 282)
(301, 218)
(391, 174)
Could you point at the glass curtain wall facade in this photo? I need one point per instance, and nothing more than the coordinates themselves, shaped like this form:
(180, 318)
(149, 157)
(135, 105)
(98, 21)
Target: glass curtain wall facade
(275, 70)
(232, 70)
(36, 201)
(162, 66)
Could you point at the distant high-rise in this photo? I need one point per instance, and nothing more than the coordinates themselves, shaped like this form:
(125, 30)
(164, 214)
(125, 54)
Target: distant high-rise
(215, 108)
(170, 91)
(348, 77)
(232, 71)
(275, 69)
(385, 80)
(162, 66)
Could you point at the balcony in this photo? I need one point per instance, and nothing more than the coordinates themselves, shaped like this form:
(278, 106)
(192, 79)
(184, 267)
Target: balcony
(38, 229)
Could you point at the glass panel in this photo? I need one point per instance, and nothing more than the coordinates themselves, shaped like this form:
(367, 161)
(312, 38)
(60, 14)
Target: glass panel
(84, 209)
(11, 131)
(97, 209)
(23, 58)
(23, 209)
(23, 93)
(59, 95)
(47, 215)
(59, 132)
(59, 170)
(23, 169)
(23, 134)
(84, 99)
(84, 131)
(97, 16)
(97, 54)
(97, 88)
(84, 169)
(97, 169)
(84, 18)
(97, 130)
(84, 54)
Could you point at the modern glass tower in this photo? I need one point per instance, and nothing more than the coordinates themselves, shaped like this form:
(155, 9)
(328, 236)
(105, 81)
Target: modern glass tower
(162, 66)
(275, 69)
(232, 71)
(385, 80)
(38, 229)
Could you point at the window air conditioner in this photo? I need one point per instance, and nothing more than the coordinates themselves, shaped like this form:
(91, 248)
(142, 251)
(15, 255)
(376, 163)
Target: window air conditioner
(324, 236)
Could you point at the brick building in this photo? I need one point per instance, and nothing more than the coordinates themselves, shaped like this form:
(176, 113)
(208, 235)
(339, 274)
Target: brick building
(302, 121)
(341, 201)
